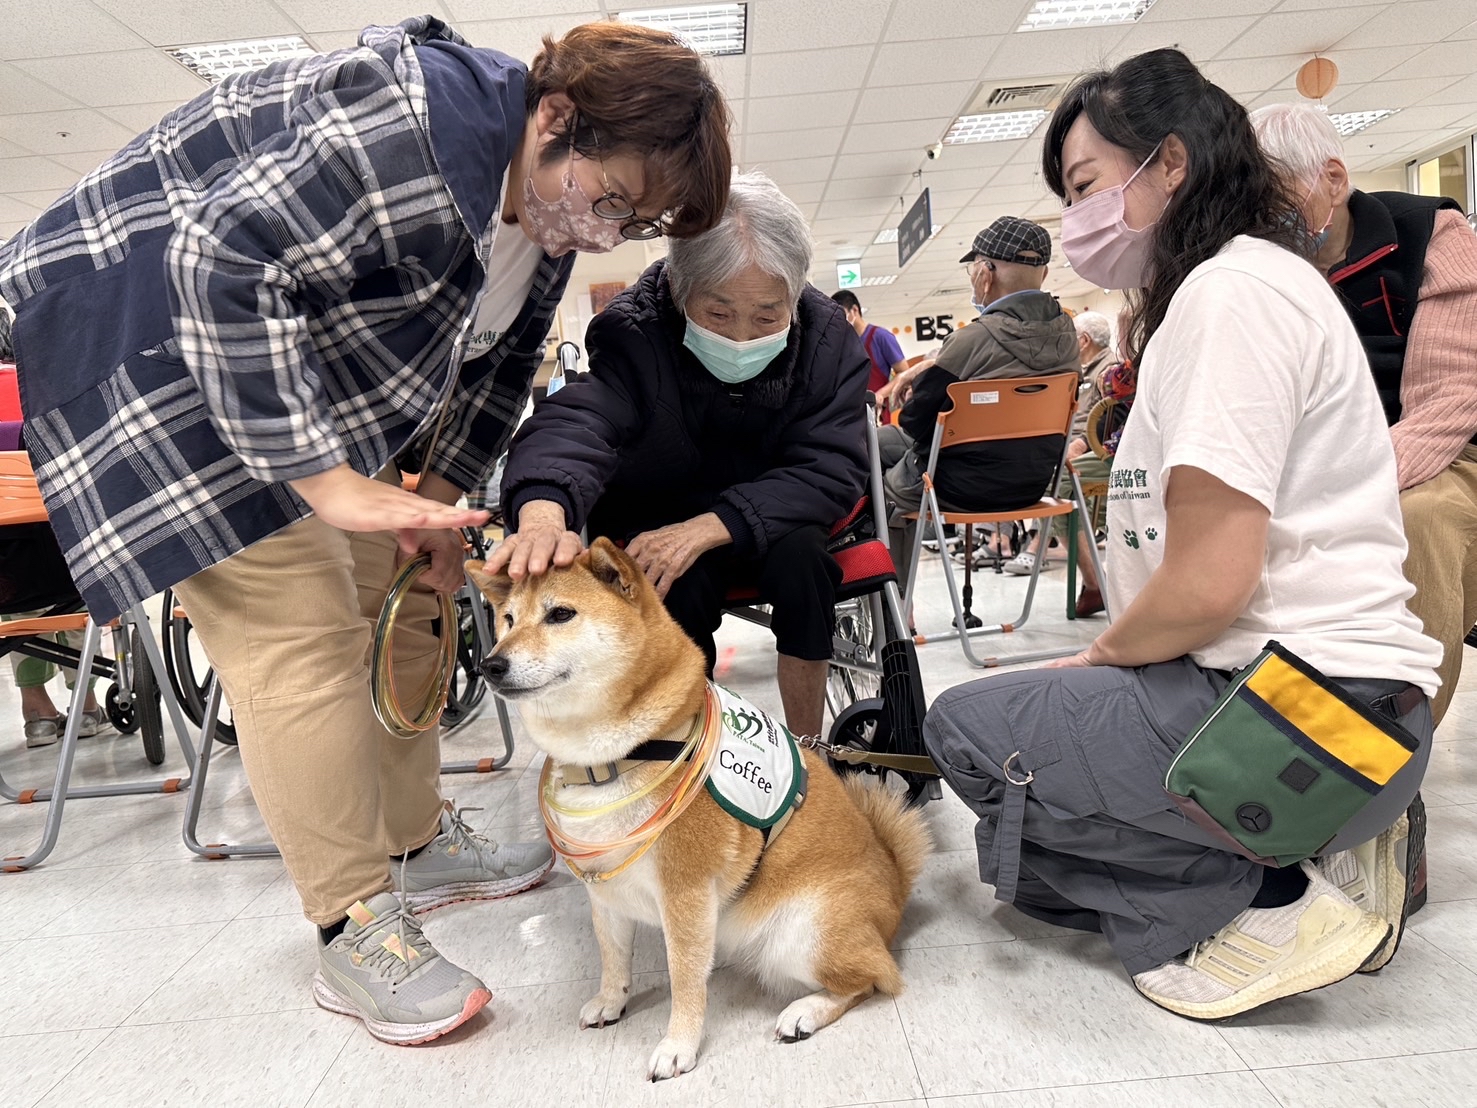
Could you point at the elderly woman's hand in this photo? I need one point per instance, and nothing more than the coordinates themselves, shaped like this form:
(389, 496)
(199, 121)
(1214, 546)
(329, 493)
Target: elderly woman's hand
(668, 552)
(543, 540)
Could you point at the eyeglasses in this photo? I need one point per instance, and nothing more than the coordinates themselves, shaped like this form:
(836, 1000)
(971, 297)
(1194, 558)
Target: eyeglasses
(613, 206)
(971, 268)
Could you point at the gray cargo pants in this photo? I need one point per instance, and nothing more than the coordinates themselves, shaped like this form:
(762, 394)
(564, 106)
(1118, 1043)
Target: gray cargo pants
(1096, 843)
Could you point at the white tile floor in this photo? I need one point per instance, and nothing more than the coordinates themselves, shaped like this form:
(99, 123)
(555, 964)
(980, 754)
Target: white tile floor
(136, 974)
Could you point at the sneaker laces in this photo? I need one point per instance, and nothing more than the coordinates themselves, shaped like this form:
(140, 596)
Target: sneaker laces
(415, 950)
(461, 834)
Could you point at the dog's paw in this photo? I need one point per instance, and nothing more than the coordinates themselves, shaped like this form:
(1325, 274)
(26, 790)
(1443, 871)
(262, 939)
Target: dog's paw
(602, 1010)
(671, 1058)
(802, 1019)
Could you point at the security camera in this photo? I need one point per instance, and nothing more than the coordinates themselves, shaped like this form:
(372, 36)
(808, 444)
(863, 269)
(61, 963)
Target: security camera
(936, 151)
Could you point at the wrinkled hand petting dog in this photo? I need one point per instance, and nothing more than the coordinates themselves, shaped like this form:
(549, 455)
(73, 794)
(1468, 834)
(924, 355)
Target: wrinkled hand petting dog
(634, 800)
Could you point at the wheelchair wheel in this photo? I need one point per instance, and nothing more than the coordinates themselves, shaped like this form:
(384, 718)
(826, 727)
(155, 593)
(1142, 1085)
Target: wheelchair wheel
(855, 642)
(121, 713)
(467, 686)
(864, 726)
(147, 699)
(190, 687)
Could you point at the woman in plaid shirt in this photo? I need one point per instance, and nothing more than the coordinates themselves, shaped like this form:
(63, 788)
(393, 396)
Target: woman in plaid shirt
(228, 332)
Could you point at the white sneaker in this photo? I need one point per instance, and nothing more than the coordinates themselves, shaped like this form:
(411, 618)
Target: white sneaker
(1268, 953)
(1024, 563)
(1376, 876)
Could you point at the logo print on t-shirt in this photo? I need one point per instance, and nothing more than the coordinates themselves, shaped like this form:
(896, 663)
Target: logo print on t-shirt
(1132, 539)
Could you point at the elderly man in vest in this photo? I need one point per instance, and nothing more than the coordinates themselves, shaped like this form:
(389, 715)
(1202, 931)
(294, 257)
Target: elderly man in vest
(1406, 269)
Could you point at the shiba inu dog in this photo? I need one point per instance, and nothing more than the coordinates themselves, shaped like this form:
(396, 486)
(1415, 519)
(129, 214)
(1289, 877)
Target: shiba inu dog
(597, 668)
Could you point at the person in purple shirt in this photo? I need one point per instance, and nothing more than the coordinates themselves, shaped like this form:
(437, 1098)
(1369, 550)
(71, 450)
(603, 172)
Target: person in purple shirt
(881, 345)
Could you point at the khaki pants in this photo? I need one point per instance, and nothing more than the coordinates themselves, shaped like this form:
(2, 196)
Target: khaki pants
(1441, 528)
(287, 624)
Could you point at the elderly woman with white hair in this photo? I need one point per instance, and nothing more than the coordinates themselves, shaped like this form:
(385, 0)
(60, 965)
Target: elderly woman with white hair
(719, 433)
(1405, 269)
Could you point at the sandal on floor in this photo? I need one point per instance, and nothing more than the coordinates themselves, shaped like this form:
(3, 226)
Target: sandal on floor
(41, 732)
(93, 723)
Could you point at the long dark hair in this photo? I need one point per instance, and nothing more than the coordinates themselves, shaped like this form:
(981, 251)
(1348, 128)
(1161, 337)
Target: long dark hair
(1229, 189)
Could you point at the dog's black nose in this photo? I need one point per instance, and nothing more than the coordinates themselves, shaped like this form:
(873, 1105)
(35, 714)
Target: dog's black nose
(494, 667)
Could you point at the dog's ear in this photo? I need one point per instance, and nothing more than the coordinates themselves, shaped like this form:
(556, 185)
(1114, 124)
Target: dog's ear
(494, 586)
(614, 568)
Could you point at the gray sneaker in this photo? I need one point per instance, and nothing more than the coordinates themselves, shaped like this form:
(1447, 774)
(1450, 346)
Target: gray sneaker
(384, 970)
(460, 864)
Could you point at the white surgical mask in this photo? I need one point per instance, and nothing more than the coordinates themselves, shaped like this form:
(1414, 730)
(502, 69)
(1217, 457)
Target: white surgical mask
(730, 361)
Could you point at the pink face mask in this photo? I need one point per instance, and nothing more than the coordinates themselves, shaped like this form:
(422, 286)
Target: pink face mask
(1103, 248)
(568, 223)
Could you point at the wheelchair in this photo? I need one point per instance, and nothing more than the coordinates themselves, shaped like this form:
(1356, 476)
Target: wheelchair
(874, 688)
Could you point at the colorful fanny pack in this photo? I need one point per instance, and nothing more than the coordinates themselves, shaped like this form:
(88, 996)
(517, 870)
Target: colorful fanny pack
(1284, 760)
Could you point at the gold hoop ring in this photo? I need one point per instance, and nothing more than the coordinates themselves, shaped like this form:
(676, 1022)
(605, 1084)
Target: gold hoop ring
(432, 697)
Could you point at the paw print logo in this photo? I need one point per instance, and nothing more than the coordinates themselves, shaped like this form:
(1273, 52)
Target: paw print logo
(1151, 534)
(1132, 539)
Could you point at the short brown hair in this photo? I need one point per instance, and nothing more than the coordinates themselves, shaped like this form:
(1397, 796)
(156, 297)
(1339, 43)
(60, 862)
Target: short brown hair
(645, 92)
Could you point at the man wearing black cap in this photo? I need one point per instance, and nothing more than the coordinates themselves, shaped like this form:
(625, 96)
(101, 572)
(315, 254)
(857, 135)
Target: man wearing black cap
(1021, 332)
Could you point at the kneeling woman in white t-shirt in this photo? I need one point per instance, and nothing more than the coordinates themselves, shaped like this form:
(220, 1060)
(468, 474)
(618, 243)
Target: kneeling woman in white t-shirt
(1232, 520)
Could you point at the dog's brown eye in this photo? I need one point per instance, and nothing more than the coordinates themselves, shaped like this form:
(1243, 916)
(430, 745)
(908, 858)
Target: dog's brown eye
(559, 615)
(508, 619)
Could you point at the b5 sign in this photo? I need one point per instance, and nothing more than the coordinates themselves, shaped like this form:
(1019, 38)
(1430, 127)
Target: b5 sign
(930, 327)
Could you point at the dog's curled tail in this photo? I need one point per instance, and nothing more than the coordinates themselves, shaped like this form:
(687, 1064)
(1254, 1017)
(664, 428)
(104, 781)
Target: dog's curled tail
(902, 830)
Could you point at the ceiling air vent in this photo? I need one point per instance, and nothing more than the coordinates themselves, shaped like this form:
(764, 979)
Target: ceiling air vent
(1016, 98)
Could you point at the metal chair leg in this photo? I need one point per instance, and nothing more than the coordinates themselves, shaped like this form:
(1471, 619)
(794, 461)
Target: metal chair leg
(213, 851)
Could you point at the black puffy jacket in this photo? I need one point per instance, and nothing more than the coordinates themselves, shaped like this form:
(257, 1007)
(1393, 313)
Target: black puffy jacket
(649, 437)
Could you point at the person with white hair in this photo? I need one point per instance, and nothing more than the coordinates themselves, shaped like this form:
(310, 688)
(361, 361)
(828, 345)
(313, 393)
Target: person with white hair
(719, 433)
(1405, 269)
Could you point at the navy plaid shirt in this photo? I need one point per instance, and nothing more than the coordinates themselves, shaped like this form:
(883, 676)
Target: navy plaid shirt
(275, 279)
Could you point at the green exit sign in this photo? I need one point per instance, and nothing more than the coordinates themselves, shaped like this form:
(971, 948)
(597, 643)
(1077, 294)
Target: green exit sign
(849, 275)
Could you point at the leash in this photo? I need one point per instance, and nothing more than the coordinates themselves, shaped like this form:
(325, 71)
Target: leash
(695, 770)
(904, 763)
(432, 697)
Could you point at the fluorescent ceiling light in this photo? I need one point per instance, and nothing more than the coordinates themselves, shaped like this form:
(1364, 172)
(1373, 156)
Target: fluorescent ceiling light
(217, 60)
(993, 127)
(1049, 15)
(887, 280)
(1351, 123)
(715, 29)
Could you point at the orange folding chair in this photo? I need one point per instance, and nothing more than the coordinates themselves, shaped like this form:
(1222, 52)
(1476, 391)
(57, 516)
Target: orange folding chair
(23, 516)
(993, 411)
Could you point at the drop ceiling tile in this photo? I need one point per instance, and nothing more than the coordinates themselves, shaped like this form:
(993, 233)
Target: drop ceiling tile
(1201, 39)
(941, 180)
(1064, 53)
(1013, 176)
(125, 77)
(523, 38)
(782, 145)
(35, 175)
(808, 193)
(20, 92)
(983, 155)
(1463, 91)
(867, 210)
(11, 150)
(467, 10)
(14, 211)
(1391, 94)
(87, 31)
(1416, 22)
(865, 188)
(778, 113)
(1170, 11)
(915, 136)
(891, 165)
(796, 74)
(138, 118)
(1359, 66)
(904, 102)
(82, 162)
(815, 25)
(1300, 32)
(796, 171)
(343, 15)
(326, 42)
(1250, 76)
(41, 132)
(942, 19)
(731, 72)
(176, 22)
(956, 59)
(1447, 58)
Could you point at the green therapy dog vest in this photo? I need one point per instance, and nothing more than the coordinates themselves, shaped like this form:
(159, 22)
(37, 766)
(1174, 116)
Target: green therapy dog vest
(757, 776)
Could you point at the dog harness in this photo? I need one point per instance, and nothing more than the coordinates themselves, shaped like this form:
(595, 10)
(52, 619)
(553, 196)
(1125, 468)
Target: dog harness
(750, 765)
